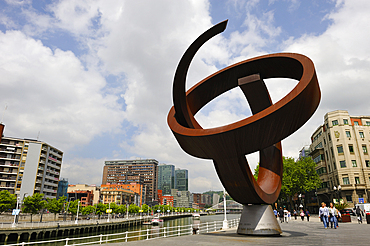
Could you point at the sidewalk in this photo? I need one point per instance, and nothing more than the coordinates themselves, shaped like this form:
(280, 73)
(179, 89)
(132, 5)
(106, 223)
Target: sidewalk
(295, 232)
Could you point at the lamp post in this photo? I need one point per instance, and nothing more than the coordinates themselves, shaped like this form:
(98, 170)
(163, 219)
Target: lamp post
(78, 209)
(337, 191)
(224, 223)
(16, 212)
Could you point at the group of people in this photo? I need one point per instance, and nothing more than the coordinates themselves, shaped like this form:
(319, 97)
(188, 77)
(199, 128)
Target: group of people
(330, 214)
(285, 215)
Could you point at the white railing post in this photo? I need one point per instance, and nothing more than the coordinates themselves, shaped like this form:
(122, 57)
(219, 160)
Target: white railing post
(164, 232)
(147, 234)
(126, 236)
(101, 239)
(67, 241)
(215, 225)
(191, 229)
(207, 227)
(22, 243)
(179, 230)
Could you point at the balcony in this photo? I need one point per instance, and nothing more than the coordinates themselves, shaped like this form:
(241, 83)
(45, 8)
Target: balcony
(8, 172)
(49, 190)
(7, 187)
(51, 184)
(8, 179)
(360, 186)
(53, 166)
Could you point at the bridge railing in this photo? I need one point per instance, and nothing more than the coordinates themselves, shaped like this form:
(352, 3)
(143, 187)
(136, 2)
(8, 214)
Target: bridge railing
(148, 234)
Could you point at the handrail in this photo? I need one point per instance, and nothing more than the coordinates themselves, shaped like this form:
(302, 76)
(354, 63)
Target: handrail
(171, 231)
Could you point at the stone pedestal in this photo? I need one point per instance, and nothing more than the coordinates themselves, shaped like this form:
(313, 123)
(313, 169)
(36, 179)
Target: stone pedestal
(258, 220)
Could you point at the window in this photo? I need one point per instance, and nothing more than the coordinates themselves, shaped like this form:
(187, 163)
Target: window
(346, 181)
(357, 180)
(342, 164)
(329, 168)
(355, 123)
(332, 152)
(348, 133)
(327, 126)
(361, 134)
(334, 122)
(349, 198)
(334, 165)
(367, 162)
(324, 141)
(345, 121)
(327, 156)
(368, 123)
(329, 136)
(350, 147)
(340, 149)
(364, 149)
(354, 163)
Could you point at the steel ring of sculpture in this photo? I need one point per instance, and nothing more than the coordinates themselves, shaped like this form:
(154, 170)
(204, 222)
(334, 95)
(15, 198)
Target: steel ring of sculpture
(263, 131)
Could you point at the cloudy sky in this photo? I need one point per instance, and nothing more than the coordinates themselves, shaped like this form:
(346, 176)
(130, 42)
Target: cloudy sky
(94, 78)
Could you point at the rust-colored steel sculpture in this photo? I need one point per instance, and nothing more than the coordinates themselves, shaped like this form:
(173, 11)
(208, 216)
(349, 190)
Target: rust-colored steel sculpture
(1, 131)
(263, 131)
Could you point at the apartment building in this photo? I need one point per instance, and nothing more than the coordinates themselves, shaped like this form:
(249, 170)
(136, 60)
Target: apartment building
(29, 166)
(340, 149)
(84, 187)
(117, 194)
(115, 172)
(137, 188)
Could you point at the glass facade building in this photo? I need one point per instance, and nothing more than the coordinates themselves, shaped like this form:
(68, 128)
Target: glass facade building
(166, 178)
(181, 179)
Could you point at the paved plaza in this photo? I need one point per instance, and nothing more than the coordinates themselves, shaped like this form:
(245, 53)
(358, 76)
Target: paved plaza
(295, 232)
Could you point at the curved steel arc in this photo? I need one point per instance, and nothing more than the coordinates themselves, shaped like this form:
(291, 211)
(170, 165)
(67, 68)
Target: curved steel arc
(179, 101)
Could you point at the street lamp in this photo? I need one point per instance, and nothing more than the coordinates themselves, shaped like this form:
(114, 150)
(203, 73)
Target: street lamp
(78, 208)
(16, 211)
(224, 223)
(337, 191)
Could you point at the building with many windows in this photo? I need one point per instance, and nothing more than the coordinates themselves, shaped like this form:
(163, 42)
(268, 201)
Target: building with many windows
(181, 179)
(114, 172)
(29, 166)
(340, 148)
(72, 188)
(166, 178)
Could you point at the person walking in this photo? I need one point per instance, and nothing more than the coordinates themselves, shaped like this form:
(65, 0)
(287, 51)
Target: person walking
(275, 213)
(323, 214)
(302, 215)
(332, 218)
(359, 214)
(308, 215)
(281, 215)
(295, 214)
(286, 215)
(337, 215)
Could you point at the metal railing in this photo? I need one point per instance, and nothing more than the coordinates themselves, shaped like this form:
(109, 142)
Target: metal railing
(148, 234)
(91, 221)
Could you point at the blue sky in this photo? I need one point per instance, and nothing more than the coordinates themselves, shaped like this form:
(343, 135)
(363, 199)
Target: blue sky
(95, 77)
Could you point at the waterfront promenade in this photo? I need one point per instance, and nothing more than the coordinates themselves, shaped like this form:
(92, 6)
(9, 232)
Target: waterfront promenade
(296, 232)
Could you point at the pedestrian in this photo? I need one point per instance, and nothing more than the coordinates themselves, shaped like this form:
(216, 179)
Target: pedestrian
(323, 214)
(286, 215)
(289, 215)
(359, 214)
(275, 213)
(337, 215)
(308, 215)
(295, 214)
(281, 215)
(302, 215)
(332, 218)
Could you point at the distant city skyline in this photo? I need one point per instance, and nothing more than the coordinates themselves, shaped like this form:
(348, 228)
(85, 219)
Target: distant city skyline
(94, 78)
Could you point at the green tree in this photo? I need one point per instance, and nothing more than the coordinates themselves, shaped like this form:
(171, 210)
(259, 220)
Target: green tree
(33, 204)
(100, 209)
(55, 206)
(133, 209)
(87, 210)
(146, 209)
(121, 209)
(298, 177)
(7, 201)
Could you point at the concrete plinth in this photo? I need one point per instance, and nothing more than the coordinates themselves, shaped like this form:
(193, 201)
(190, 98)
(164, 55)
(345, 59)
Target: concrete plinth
(258, 220)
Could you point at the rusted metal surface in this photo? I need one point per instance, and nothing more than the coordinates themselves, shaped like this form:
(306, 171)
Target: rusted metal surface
(1, 131)
(263, 131)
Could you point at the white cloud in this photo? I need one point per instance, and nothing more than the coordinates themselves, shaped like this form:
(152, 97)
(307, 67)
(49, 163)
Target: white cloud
(51, 92)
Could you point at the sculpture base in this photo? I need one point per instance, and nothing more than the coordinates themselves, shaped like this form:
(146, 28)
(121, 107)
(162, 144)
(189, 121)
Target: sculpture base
(258, 220)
